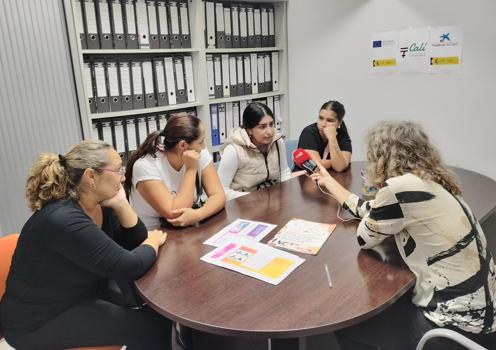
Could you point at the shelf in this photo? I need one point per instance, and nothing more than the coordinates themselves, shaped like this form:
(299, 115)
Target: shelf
(244, 50)
(246, 97)
(85, 79)
(96, 116)
(136, 51)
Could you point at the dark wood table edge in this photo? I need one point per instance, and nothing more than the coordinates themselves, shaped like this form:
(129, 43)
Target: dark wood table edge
(289, 333)
(293, 333)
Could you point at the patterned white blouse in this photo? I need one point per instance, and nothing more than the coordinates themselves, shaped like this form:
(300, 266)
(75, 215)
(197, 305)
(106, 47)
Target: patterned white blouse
(443, 245)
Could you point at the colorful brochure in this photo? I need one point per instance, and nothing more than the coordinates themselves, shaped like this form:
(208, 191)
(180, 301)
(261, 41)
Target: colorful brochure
(254, 259)
(254, 230)
(302, 236)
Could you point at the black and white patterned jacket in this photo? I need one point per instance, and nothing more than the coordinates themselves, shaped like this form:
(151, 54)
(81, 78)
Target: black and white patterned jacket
(443, 245)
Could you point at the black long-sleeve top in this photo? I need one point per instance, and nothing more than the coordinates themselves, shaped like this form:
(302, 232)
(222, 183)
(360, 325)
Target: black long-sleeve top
(61, 259)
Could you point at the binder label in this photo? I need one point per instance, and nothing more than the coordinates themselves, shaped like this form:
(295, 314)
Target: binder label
(183, 8)
(159, 69)
(87, 80)
(271, 22)
(152, 18)
(148, 77)
(227, 21)
(125, 81)
(137, 83)
(104, 16)
(179, 73)
(131, 27)
(117, 11)
(78, 17)
(113, 80)
(89, 8)
(101, 89)
(119, 136)
(174, 17)
(162, 16)
(131, 134)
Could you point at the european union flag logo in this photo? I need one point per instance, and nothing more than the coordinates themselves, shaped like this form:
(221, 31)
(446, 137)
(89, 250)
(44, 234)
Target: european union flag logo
(376, 43)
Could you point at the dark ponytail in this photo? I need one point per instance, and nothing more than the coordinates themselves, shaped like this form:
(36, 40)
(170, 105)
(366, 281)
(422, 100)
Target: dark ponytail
(179, 127)
(149, 146)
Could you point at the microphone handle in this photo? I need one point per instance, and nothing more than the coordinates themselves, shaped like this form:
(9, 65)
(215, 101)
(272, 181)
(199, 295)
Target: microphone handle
(308, 167)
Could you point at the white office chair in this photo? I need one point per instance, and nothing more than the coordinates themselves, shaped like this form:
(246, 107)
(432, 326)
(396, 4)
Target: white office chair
(452, 335)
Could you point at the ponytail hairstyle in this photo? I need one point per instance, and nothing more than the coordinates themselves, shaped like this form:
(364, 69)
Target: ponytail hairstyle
(55, 177)
(398, 148)
(179, 127)
(336, 107)
(253, 113)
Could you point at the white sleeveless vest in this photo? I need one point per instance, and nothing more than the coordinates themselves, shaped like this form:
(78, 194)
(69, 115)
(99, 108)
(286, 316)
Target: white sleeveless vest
(255, 170)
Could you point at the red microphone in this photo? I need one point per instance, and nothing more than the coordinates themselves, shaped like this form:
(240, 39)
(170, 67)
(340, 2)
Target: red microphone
(303, 160)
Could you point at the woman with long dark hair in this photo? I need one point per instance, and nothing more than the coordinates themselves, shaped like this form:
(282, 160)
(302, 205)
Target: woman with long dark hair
(255, 155)
(327, 141)
(166, 176)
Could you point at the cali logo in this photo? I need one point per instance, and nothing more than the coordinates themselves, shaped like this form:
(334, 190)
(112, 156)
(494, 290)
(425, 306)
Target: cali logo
(415, 49)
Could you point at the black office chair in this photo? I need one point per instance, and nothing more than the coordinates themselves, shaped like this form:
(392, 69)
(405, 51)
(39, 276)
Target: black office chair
(449, 334)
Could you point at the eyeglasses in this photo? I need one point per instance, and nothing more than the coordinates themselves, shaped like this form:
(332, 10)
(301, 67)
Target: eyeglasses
(120, 171)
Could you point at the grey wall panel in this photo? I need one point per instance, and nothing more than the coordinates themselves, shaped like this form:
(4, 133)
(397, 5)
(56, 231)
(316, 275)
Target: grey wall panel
(38, 105)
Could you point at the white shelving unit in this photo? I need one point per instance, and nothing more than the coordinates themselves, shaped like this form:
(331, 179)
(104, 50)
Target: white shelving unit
(198, 51)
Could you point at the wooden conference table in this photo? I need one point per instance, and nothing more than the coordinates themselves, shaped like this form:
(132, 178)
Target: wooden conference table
(208, 298)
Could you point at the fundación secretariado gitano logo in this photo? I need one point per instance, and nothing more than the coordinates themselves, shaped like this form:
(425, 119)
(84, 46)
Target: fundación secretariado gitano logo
(415, 49)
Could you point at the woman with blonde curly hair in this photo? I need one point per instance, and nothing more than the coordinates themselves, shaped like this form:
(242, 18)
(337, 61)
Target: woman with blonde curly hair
(437, 235)
(82, 233)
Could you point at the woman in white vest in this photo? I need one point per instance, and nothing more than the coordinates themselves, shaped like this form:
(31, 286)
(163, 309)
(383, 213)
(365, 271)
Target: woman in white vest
(166, 179)
(255, 155)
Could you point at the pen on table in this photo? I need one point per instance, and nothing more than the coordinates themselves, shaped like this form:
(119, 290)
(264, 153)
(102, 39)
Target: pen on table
(328, 275)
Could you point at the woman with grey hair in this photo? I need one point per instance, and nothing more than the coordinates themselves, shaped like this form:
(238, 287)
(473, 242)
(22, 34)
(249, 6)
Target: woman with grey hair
(419, 204)
(82, 232)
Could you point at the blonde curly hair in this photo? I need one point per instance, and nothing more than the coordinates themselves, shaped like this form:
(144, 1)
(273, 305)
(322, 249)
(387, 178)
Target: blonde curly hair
(398, 148)
(55, 177)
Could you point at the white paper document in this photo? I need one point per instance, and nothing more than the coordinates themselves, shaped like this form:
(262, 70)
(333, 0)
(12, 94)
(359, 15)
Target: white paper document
(254, 230)
(302, 236)
(254, 259)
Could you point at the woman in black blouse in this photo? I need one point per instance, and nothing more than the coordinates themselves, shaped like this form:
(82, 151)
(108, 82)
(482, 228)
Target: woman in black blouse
(82, 233)
(327, 141)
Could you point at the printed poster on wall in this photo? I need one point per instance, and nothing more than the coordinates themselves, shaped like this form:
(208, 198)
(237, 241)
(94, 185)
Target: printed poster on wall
(413, 50)
(417, 50)
(445, 48)
(384, 47)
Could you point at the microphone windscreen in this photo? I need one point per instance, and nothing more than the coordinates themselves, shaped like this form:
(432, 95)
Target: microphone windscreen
(300, 156)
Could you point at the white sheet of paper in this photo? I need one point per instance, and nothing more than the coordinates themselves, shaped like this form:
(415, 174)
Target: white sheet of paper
(254, 259)
(254, 230)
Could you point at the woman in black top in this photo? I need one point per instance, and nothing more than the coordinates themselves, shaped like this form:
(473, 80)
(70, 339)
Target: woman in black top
(82, 232)
(327, 141)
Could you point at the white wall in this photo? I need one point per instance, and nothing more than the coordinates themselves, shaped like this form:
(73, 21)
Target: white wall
(329, 55)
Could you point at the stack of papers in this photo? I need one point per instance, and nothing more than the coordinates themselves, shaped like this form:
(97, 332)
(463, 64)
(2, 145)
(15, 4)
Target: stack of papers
(239, 249)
